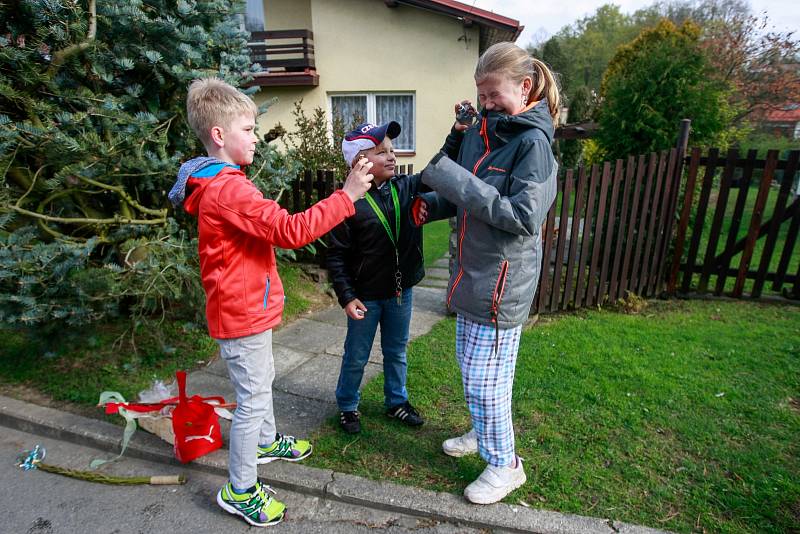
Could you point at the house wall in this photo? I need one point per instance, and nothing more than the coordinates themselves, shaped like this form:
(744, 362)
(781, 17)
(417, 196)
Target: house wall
(361, 45)
(287, 14)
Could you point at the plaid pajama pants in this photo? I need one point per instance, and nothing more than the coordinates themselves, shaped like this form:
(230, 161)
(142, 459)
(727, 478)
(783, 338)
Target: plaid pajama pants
(488, 379)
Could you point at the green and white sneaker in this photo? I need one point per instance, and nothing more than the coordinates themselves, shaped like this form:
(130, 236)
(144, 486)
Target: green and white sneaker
(285, 448)
(255, 506)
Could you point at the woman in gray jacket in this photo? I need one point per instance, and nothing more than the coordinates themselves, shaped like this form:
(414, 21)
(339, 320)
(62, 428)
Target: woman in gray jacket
(499, 178)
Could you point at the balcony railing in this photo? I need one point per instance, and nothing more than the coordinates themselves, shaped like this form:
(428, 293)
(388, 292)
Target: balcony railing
(287, 57)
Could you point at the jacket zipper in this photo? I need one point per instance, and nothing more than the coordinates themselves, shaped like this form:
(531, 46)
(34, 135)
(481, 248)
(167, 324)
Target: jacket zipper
(497, 296)
(460, 264)
(266, 293)
(360, 266)
(485, 137)
(464, 218)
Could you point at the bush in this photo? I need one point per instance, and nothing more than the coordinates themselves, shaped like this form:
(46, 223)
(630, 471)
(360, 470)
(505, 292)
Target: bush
(316, 147)
(659, 78)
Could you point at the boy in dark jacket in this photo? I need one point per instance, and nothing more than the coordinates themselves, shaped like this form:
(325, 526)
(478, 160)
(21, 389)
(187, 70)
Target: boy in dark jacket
(374, 260)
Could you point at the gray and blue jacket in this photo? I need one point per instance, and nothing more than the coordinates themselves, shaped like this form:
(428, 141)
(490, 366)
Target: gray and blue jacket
(500, 182)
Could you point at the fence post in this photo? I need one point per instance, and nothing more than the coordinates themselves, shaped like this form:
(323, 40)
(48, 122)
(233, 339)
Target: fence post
(683, 136)
(296, 205)
(681, 145)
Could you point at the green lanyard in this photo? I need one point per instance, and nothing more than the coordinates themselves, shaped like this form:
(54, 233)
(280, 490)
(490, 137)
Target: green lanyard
(394, 238)
(381, 217)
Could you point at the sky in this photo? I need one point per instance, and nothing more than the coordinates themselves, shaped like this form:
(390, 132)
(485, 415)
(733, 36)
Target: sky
(543, 18)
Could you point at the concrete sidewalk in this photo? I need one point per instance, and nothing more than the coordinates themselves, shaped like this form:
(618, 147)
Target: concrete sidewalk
(307, 358)
(308, 353)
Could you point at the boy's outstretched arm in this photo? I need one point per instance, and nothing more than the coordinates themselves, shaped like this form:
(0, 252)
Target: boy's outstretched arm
(241, 204)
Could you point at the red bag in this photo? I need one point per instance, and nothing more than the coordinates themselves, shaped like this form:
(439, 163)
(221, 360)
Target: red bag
(195, 423)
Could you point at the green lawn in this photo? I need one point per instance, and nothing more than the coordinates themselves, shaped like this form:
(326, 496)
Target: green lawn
(435, 239)
(78, 364)
(685, 417)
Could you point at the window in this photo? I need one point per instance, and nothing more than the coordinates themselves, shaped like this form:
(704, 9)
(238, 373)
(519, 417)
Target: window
(254, 16)
(380, 108)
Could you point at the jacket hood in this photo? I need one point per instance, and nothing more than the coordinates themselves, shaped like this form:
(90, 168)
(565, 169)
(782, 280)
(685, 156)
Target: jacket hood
(178, 192)
(505, 125)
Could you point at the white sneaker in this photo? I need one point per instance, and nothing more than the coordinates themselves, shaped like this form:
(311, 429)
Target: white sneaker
(462, 445)
(495, 483)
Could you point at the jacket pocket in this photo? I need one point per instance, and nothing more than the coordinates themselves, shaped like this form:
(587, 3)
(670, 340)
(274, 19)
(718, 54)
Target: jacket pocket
(266, 293)
(499, 289)
(360, 267)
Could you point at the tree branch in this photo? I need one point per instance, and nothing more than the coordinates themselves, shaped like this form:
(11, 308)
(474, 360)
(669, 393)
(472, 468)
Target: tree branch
(77, 220)
(62, 55)
(125, 196)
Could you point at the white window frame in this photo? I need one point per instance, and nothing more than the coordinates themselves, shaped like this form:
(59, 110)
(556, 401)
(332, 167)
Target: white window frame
(372, 110)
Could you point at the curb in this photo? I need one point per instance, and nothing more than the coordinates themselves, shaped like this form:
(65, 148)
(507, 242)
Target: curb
(323, 483)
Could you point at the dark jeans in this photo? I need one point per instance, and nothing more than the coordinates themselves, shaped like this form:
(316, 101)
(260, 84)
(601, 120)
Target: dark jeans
(394, 320)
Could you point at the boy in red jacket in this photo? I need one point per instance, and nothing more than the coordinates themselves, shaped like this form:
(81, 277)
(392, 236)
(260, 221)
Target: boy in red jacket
(238, 228)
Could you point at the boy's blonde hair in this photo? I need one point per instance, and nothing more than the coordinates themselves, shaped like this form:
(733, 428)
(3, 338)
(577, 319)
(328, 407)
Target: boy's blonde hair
(213, 102)
(515, 63)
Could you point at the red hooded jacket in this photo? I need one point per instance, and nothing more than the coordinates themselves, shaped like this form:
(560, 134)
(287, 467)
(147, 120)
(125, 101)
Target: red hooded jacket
(238, 228)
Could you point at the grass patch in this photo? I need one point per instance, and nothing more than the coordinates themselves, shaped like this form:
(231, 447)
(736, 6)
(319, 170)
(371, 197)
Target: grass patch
(435, 241)
(685, 417)
(77, 364)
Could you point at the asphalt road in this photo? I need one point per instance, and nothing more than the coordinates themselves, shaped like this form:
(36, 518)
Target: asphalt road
(37, 502)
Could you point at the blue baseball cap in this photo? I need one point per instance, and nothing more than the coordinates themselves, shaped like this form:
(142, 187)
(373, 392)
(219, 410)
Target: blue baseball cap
(366, 136)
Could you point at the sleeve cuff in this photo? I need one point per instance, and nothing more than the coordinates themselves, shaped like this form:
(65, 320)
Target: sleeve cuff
(350, 207)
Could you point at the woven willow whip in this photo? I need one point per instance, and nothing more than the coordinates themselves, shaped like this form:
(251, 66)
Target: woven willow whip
(33, 460)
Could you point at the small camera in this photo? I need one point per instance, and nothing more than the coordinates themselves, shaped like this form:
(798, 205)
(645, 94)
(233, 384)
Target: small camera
(466, 114)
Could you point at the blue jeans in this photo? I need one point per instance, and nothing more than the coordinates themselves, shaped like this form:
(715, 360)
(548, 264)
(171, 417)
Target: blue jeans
(394, 320)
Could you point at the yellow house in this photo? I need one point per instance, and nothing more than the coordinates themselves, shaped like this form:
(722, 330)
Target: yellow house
(403, 60)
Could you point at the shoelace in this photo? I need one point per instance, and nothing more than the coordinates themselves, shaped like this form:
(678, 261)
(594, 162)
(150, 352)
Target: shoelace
(291, 440)
(284, 444)
(258, 500)
(262, 496)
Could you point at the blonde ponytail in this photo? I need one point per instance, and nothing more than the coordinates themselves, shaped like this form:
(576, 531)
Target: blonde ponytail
(545, 86)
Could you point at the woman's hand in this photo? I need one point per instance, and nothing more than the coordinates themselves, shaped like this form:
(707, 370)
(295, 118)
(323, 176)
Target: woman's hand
(355, 309)
(462, 126)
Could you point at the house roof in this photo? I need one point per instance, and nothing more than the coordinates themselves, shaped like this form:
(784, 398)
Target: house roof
(494, 28)
(789, 113)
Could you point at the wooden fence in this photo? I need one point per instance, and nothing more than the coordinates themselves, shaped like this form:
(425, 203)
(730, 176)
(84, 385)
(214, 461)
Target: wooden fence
(637, 226)
(732, 250)
(312, 186)
(608, 232)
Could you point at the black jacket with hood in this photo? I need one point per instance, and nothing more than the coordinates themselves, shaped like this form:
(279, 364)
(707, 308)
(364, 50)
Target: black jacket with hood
(361, 258)
(500, 187)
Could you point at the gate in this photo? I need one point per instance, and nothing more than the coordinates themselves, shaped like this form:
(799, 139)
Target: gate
(740, 244)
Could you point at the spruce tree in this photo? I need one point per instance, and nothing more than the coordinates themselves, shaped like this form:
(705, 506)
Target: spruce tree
(92, 132)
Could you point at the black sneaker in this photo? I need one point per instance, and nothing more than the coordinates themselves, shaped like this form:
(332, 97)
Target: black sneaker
(350, 422)
(405, 413)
